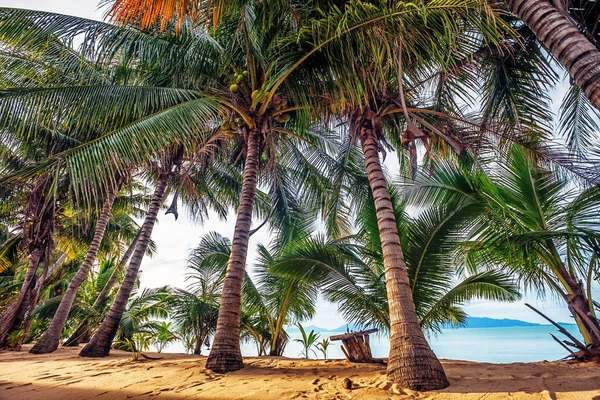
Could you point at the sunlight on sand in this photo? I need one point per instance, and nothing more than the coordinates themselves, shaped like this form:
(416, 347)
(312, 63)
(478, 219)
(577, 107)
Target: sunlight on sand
(64, 375)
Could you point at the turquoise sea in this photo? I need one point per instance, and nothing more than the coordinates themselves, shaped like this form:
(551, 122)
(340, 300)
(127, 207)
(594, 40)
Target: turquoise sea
(495, 345)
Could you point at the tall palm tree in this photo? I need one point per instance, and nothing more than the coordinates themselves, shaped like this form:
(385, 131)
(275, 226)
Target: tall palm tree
(99, 345)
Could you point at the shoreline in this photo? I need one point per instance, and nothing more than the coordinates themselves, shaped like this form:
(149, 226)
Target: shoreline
(65, 375)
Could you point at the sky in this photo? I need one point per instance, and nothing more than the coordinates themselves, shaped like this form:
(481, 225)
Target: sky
(174, 239)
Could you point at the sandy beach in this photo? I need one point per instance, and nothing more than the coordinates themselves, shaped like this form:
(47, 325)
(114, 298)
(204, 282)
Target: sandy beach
(64, 375)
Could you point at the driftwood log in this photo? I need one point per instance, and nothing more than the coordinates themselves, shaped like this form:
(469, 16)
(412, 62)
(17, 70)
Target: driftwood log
(356, 346)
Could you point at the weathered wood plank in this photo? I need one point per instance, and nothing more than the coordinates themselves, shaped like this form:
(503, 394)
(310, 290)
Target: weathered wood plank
(352, 334)
(345, 353)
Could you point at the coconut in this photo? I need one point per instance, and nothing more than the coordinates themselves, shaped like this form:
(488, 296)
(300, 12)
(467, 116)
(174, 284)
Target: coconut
(234, 88)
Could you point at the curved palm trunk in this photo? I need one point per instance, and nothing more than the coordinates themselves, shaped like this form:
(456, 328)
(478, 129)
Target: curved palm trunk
(277, 342)
(83, 332)
(225, 354)
(49, 341)
(99, 345)
(580, 309)
(37, 237)
(14, 315)
(34, 298)
(574, 51)
(411, 362)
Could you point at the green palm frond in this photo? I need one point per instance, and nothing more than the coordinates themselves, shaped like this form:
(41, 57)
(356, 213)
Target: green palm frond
(489, 285)
(578, 121)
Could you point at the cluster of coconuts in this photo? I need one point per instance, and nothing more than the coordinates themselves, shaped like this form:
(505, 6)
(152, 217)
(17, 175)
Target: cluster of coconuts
(239, 79)
(280, 103)
(230, 126)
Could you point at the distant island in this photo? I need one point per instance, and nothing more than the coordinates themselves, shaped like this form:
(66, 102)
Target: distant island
(472, 322)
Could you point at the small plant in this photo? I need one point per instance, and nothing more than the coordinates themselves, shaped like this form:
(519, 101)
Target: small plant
(135, 344)
(164, 336)
(307, 341)
(322, 347)
(14, 340)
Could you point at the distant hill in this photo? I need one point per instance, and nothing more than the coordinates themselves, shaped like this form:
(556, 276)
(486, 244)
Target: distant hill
(472, 322)
(308, 328)
(484, 322)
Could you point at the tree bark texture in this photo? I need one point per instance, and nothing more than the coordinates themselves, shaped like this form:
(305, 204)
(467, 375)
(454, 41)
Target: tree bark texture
(99, 345)
(49, 341)
(225, 354)
(411, 362)
(83, 332)
(580, 308)
(565, 41)
(37, 238)
(14, 315)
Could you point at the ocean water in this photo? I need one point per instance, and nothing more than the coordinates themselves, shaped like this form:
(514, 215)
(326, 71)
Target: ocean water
(494, 345)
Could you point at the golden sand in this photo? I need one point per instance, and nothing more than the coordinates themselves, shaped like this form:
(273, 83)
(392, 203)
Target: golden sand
(64, 375)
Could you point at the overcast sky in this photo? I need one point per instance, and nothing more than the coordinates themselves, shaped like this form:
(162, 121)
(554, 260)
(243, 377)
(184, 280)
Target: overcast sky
(174, 239)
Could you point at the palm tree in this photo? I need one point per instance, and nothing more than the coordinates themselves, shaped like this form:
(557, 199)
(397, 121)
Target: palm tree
(307, 341)
(164, 336)
(350, 271)
(49, 342)
(141, 312)
(532, 224)
(195, 309)
(99, 345)
(269, 301)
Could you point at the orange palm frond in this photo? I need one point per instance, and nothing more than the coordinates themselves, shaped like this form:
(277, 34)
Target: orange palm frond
(147, 12)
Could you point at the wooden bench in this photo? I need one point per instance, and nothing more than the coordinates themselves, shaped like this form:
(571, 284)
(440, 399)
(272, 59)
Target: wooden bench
(356, 346)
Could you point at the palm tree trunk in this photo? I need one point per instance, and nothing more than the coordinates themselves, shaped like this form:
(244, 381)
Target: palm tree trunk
(99, 345)
(13, 316)
(277, 342)
(225, 354)
(37, 238)
(574, 51)
(35, 295)
(83, 332)
(580, 308)
(411, 362)
(49, 341)
(198, 347)
(57, 264)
